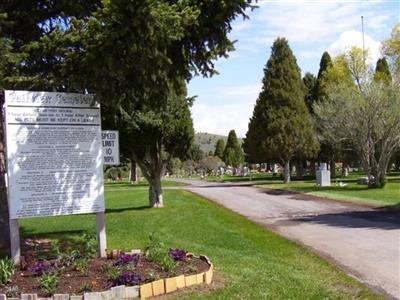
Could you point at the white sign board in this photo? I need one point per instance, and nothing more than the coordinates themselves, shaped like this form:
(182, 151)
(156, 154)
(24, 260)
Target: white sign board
(54, 154)
(110, 142)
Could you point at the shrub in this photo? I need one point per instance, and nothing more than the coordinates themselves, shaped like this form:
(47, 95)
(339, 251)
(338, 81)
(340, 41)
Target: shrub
(42, 267)
(177, 254)
(81, 265)
(167, 264)
(49, 282)
(127, 278)
(88, 245)
(6, 270)
(124, 259)
(86, 287)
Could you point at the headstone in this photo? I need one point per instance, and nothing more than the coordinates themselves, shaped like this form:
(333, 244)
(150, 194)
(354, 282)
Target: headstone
(362, 180)
(245, 171)
(323, 176)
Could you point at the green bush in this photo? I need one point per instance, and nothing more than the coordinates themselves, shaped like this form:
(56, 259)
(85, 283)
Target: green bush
(49, 282)
(6, 270)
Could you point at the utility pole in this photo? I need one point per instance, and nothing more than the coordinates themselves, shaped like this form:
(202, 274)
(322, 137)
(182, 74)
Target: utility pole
(363, 42)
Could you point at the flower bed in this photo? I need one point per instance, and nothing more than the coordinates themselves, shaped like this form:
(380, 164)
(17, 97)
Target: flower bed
(123, 275)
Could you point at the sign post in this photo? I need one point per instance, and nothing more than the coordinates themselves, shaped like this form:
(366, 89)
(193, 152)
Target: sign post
(15, 241)
(54, 158)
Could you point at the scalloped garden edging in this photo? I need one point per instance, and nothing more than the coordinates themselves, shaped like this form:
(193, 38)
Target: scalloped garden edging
(155, 288)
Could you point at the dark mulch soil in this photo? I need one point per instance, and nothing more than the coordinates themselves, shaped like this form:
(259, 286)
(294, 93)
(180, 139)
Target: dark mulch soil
(71, 280)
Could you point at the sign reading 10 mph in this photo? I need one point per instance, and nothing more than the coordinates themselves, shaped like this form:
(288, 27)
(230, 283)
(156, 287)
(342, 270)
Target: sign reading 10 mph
(54, 154)
(110, 142)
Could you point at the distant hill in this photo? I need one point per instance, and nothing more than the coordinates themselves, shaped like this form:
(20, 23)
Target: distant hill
(207, 141)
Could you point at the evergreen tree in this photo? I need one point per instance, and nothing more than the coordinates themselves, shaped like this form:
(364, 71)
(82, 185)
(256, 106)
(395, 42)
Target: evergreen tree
(219, 148)
(320, 85)
(382, 71)
(327, 151)
(309, 82)
(195, 153)
(134, 55)
(281, 125)
(233, 154)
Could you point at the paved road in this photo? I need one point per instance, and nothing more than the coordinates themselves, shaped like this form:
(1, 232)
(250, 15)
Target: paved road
(362, 241)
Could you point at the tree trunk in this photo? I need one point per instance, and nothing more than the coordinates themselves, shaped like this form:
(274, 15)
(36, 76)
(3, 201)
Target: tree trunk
(333, 168)
(286, 172)
(133, 177)
(345, 171)
(155, 191)
(312, 167)
(4, 217)
(378, 172)
(299, 170)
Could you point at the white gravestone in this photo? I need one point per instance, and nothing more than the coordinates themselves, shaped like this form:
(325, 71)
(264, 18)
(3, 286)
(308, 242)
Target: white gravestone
(110, 142)
(323, 176)
(54, 155)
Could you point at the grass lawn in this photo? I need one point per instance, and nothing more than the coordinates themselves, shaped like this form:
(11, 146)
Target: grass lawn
(387, 196)
(253, 262)
(126, 184)
(255, 176)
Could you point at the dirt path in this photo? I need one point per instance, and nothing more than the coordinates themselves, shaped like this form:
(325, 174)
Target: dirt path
(363, 241)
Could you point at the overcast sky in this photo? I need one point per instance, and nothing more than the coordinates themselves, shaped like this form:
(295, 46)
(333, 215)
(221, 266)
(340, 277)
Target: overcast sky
(226, 101)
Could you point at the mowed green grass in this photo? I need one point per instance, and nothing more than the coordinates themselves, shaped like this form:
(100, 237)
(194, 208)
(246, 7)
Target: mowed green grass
(252, 262)
(387, 196)
(126, 184)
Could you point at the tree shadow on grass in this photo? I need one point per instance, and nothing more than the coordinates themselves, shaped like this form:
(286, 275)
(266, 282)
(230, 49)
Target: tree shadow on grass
(64, 234)
(124, 209)
(394, 207)
(310, 189)
(125, 185)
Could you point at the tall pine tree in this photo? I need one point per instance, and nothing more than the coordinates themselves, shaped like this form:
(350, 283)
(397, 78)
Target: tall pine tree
(219, 148)
(320, 85)
(382, 71)
(309, 82)
(327, 151)
(233, 154)
(281, 126)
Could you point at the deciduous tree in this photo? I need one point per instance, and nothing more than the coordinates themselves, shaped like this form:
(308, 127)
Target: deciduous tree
(368, 118)
(391, 50)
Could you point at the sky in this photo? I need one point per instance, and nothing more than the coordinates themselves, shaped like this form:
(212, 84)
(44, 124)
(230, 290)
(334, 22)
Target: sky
(226, 101)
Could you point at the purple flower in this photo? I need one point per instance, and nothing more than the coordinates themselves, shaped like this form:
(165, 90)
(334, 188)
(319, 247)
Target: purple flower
(124, 259)
(127, 278)
(177, 254)
(43, 267)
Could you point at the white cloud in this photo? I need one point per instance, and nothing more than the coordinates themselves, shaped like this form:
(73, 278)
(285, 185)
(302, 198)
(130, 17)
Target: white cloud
(249, 91)
(307, 22)
(311, 28)
(353, 38)
(231, 110)
(220, 119)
